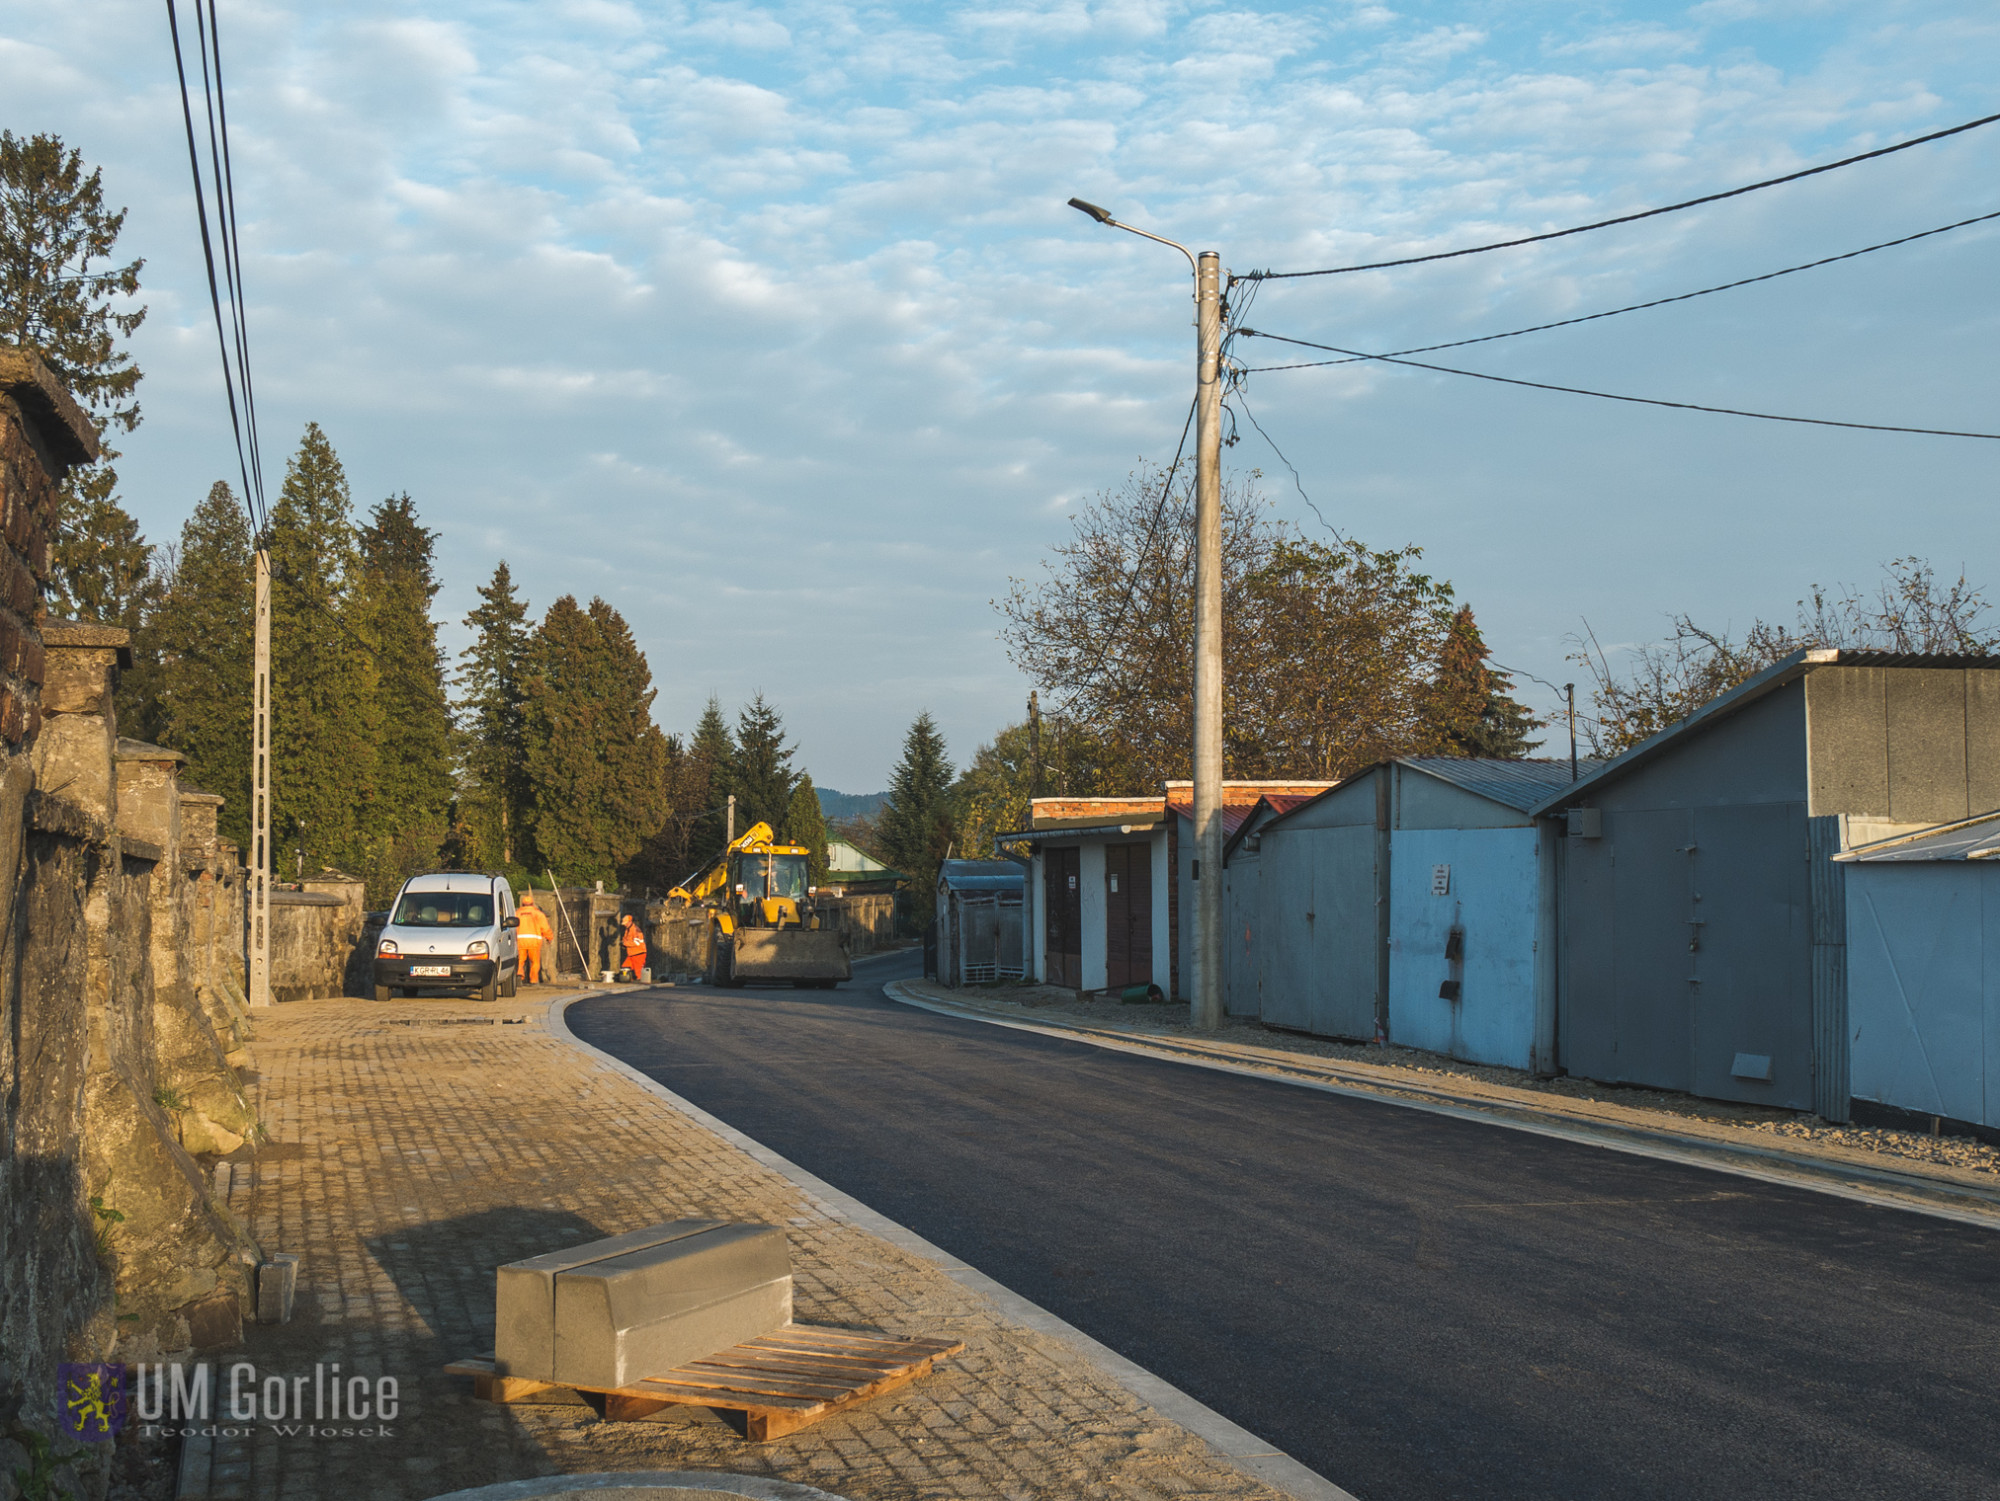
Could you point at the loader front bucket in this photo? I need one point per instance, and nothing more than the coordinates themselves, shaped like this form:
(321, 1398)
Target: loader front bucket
(791, 954)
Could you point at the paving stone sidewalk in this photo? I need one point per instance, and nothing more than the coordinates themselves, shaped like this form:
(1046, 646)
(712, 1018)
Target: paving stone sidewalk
(417, 1145)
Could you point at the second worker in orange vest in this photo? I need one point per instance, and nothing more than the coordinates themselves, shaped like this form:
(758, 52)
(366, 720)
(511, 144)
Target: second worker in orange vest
(532, 934)
(635, 946)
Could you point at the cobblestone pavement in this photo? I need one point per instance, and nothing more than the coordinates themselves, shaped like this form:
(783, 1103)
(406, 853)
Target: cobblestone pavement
(417, 1145)
(1948, 1169)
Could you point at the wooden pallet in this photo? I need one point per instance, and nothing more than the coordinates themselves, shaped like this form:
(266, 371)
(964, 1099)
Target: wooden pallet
(780, 1382)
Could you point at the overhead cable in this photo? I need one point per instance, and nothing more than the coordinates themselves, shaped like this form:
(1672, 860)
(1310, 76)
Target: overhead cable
(239, 419)
(1650, 401)
(1639, 307)
(1670, 208)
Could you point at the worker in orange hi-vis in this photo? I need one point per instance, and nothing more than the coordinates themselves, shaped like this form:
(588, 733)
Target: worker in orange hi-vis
(533, 932)
(635, 946)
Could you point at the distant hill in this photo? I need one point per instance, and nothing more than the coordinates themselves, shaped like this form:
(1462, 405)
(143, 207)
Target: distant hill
(850, 804)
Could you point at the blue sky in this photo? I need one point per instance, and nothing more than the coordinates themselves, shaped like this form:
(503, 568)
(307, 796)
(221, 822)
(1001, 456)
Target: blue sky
(769, 324)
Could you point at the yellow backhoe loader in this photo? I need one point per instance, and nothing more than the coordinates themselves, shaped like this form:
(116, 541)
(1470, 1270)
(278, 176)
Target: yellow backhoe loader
(762, 922)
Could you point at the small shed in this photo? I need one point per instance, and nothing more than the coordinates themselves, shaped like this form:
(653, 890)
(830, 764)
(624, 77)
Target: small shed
(1410, 902)
(1923, 979)
(1704, 925)
(1098, 909)
(981, 921)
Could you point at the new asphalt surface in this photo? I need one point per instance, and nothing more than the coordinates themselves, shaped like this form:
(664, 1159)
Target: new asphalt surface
(1415, 1306)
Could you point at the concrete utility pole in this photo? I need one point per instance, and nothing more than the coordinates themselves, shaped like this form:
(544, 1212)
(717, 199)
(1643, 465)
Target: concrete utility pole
(1205, 1008)
(730, 838)
(260, 794)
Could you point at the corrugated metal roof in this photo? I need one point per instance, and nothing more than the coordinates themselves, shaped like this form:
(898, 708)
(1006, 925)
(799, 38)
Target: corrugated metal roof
(1974, 839)
(983, 875)
(1518, 784)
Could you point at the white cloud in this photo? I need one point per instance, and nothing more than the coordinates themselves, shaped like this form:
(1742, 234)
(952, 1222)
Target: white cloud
(677, 301)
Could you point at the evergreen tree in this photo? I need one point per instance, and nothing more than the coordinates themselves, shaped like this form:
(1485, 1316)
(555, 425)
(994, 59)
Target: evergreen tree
(916, 821)
(1471, 712)
(761, 773)
(805, 824)
(496, 786)
(200, 640)
(61, 296)
(595, 759)
(709, 781)
(325, 688)
(409, 816)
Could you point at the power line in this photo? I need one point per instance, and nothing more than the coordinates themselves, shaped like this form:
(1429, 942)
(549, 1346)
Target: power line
(1671, 208)
(247, 462)
(233, 257)
(1639, 307)
(1650, 401)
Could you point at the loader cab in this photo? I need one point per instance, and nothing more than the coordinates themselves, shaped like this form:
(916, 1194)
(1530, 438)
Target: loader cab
(768, 888)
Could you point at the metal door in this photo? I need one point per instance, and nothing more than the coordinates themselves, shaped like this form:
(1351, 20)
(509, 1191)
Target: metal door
(1652, 964)
(1284, 929)
(1751, 953)
(1064, 903)
(1128, 915)
(1343, 933)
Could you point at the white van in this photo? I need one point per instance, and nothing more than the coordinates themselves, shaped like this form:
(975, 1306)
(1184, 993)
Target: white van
(449, 930)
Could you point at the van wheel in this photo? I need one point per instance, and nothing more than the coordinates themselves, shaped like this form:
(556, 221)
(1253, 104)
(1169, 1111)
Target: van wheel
(381, 992)
(490, 991)
(513, 980)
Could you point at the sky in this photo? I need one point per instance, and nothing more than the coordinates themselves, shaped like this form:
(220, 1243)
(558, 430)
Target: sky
(769, 323)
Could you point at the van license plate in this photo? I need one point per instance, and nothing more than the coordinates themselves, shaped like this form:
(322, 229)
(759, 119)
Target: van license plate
(430, 969)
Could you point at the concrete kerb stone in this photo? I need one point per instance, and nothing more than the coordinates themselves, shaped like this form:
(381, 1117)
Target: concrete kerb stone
(633, 1485)
(1231, 1443)
(1882, 1188)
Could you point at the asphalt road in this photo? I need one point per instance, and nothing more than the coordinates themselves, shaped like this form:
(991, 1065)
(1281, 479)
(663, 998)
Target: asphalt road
(1415, 1306)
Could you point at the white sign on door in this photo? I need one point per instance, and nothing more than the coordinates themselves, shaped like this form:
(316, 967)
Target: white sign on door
(1440, 880)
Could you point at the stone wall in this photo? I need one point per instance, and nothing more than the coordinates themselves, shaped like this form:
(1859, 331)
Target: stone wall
(319, 939)
(869, 921)
(111, 1065)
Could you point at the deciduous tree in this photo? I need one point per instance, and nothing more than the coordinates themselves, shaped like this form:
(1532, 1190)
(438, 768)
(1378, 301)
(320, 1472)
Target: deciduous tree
(1909, 611)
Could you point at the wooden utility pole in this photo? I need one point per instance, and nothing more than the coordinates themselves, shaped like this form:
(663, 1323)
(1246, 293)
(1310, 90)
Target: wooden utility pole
(260, 794)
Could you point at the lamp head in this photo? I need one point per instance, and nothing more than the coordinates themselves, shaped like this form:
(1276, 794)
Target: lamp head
(1101, 215)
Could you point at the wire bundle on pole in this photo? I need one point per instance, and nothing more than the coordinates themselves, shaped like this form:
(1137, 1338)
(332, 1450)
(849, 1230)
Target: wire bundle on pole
(232, 334)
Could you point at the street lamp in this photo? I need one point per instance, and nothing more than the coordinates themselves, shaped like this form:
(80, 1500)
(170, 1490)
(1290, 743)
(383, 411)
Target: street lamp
(1205, 1010)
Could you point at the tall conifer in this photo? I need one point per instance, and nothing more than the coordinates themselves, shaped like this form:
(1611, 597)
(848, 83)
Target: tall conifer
(761, 775)
(916, 819)
(407, 820)
(326, 718)
(199, 640)
(495, 801)
(710, 779)
(805, 823)
(595, 759)
(1471, 709)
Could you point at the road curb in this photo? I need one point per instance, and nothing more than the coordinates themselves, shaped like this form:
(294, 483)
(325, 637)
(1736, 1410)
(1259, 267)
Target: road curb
(1232, 1443)
(1880, 1187)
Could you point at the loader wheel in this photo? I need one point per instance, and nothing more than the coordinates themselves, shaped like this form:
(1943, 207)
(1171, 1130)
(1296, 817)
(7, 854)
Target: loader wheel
(720, 966)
